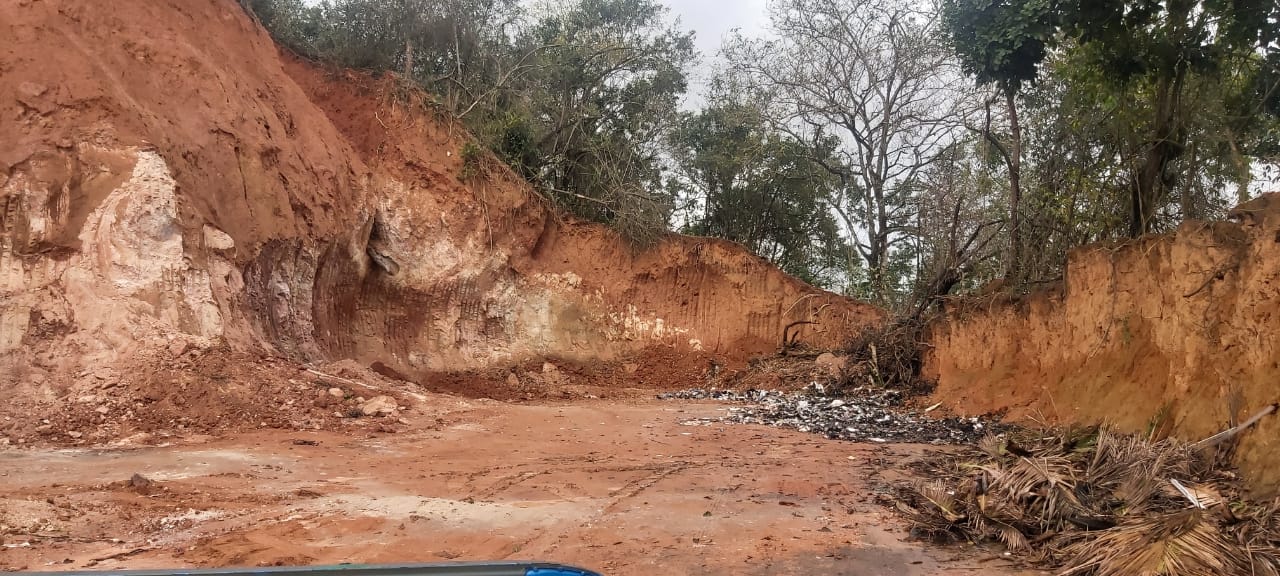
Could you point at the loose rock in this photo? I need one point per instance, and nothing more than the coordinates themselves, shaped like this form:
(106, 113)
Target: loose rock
(378, 405)
(830, 365)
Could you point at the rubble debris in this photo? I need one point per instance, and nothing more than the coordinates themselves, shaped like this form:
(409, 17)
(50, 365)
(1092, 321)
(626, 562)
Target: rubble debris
(862, 415)
(378, 405)
(1097, 503)
(140, 484)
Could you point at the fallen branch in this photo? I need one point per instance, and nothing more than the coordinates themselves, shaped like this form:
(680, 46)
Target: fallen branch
(340, 379)
(118, 556)
(1230, 433)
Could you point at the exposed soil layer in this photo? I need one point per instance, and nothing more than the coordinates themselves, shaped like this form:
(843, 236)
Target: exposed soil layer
(622, 487)
(1177, 333)
(169, 181)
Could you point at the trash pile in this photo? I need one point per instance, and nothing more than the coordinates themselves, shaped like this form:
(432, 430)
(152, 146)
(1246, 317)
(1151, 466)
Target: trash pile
(1094, 502)
(861, 415)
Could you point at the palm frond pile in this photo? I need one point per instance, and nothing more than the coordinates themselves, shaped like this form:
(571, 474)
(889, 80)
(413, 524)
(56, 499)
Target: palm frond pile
(1093, 502)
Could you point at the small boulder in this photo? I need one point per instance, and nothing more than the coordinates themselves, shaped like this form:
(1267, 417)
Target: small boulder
(324, 399)
(179, 347)
(378, 405)
(831, 365)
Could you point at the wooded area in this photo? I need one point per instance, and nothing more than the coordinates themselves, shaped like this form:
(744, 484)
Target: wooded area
(891, 150)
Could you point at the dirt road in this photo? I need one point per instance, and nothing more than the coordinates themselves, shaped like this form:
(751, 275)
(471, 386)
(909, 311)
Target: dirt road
(619, 487)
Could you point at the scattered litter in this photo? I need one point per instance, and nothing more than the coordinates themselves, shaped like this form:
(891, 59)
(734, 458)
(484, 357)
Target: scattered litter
(863, 415)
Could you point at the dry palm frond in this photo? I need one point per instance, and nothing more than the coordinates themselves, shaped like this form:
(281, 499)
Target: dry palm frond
(1100, 503)
(1264, 562)
(1004, 531)
(992, 446)
(932, 510)
(1187, 543)
(1138, 486)
(943, 500)
(1044, 486)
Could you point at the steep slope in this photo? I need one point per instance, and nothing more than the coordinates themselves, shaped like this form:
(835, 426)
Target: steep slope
(1178, 332)
(168, 181)
(509, 279)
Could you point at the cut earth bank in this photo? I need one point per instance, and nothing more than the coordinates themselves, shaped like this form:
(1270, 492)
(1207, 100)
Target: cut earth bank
(1177, 333)
(170, 183)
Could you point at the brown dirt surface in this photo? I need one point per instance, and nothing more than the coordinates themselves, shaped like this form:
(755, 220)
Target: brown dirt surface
(623, 487)
(1177, 333)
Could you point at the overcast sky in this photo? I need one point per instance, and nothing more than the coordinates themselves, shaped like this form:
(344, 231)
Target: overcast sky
(711, 20)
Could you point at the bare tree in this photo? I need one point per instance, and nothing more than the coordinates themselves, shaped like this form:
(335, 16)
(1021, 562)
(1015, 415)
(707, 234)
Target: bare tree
(960, 222)
(873, 79)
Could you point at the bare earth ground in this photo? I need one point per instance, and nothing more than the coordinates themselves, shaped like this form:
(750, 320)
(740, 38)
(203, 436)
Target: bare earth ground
(618, 486)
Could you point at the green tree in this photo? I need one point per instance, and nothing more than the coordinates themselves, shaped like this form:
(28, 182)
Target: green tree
(1162, 54)
(959, 223)
(1001, 43)
(576, 97)
(604, 95)
(744, 181)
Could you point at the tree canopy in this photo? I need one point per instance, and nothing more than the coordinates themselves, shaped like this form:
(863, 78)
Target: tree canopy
(894, 150)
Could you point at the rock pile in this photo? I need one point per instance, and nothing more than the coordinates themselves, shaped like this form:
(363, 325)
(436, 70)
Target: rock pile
(863, 416)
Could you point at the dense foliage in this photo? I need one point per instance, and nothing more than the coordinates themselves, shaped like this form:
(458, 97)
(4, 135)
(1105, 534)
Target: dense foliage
(893, 150)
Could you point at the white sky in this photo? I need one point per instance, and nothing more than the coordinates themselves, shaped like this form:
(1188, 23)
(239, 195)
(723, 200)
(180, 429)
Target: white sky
(711, 21)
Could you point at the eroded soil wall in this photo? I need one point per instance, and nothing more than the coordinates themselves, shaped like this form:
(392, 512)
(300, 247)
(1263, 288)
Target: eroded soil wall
(1179, 331)
(168, 180)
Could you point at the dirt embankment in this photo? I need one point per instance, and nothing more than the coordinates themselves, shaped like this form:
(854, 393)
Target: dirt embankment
(168, 181)
(1179, 332)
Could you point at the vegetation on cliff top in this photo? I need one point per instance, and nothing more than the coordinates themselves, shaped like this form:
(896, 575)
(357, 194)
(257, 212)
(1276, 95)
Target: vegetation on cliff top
(896, 151)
